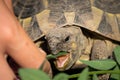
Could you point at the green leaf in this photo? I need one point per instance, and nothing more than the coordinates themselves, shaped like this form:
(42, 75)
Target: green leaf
(61, 53)
(94, 77)
(61, 76)
(117, 54)
(33, 74)
(84, 75)
(100, 64)
(115, 76)
(51, 56)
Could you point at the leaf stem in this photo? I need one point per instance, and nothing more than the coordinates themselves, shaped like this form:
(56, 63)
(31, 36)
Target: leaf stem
(103, 72)
(96, 72)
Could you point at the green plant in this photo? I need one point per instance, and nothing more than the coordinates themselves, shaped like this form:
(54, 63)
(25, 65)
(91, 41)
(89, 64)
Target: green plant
(95, 67)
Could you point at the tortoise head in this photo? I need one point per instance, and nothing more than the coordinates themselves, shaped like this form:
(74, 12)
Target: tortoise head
(68, 39)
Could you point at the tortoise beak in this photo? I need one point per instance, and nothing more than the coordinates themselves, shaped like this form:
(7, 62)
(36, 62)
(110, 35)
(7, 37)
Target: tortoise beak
(62, 62)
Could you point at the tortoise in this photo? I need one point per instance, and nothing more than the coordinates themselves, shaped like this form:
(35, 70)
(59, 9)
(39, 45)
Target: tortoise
(85, 29)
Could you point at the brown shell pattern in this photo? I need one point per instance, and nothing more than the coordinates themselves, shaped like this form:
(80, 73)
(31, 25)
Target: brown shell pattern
(39, 16)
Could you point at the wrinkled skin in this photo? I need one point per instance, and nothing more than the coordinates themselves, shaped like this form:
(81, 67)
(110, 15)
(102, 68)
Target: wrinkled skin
(69, 39)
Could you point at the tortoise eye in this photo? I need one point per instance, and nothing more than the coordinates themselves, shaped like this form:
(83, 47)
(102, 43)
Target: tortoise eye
(67, 38)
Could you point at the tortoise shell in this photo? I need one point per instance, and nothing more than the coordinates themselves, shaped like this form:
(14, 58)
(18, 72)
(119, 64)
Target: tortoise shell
(39, 16)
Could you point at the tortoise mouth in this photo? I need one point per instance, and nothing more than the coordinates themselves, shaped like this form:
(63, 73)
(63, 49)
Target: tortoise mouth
(62, 62)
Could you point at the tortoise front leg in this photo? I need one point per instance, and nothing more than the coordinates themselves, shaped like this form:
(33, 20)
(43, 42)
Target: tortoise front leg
(102, 49)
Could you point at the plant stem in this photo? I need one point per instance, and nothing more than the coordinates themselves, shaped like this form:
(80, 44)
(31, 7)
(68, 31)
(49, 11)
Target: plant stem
(96, 72)
(103, 72)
